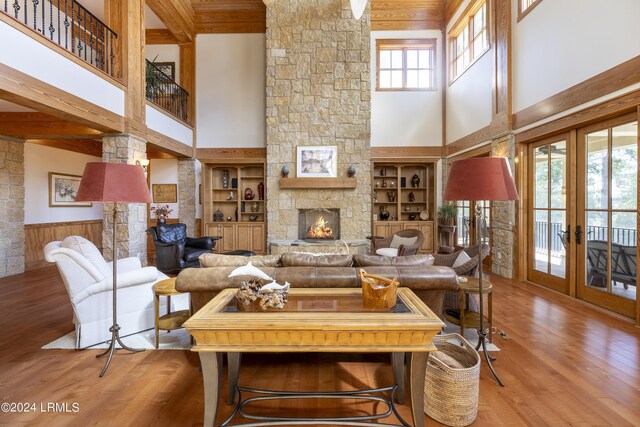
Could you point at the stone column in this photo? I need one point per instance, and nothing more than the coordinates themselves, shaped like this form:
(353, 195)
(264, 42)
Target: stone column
(11, 207)
(503, 215)
(187, 194)
(131, 221)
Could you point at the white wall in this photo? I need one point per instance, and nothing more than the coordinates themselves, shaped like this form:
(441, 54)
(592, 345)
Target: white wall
(164, 171)
(164, 53)
(230, 83)
(168, 126)
(38, 162)
(411, 118)
(469, 97)
(561, 43)
(19, 51)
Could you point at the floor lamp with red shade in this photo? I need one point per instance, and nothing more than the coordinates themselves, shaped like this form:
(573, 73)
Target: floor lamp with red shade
(113, 183)
(478, 179)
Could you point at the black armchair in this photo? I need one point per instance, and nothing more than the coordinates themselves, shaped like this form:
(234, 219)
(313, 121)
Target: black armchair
(175, 251)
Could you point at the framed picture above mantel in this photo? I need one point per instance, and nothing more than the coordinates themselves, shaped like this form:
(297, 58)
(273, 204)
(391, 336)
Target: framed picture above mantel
(317, 161)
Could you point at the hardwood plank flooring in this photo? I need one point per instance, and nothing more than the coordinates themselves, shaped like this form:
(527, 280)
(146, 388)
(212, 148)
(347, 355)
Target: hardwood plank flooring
(564, 363)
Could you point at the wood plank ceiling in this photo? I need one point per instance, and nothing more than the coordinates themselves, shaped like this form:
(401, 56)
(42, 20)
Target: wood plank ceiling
(249, 16)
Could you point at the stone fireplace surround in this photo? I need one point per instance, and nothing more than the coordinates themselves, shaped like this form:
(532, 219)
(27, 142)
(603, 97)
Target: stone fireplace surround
(317, 93)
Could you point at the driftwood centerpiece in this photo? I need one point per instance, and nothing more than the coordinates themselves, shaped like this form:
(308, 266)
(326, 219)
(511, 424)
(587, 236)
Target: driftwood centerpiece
(378, 291)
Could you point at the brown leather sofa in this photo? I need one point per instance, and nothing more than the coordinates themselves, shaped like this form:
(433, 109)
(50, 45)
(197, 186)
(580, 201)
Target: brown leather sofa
(326, 271)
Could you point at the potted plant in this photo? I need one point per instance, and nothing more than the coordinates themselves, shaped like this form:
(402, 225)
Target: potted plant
(447, 214)
(161, 213)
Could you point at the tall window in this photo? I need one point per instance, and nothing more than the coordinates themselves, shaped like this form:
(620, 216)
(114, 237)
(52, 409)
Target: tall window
(469, 39)
(407, 64)
(526, 6)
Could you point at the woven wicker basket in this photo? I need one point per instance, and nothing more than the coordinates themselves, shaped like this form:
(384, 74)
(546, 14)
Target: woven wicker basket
(450, 394)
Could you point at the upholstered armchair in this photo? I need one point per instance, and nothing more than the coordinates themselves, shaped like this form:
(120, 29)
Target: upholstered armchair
(401, 243)
(175, 251)
(88, 279)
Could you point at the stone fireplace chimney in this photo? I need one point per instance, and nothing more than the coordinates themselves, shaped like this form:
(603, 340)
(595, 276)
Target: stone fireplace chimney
(318, 94)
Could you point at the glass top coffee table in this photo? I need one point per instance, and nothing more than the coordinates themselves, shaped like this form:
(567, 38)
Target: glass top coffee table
(315, 320)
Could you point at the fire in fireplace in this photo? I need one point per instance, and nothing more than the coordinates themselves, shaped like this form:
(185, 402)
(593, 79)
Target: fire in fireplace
(318, 224)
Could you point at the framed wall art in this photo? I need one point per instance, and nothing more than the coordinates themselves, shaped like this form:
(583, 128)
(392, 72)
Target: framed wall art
(317, 162)
(168, 68)
(63, 189)
(165, 193)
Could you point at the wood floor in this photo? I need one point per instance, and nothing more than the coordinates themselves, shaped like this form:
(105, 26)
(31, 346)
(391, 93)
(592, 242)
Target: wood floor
(563, 362)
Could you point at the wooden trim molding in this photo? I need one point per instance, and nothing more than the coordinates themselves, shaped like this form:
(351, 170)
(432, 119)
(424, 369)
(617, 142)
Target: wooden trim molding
(616, 78)
(167, 144)
(617, 106)
(450, 7)
(386, 152)
(502, 83)
(59, 50)
(23, 89)
(38, 235)
(474, 138)
(532, 6)
(231, 153)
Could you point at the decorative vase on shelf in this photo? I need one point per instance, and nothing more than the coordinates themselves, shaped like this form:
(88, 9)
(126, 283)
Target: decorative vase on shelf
(412, 197)
(225, 178)
(248, 194)
(218, 216)
(254, 207)
(260, 191)
(384, 213)
(415, 181)
(161, 219)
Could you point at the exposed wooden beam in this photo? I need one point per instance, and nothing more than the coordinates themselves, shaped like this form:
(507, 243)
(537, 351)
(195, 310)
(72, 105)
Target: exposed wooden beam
(38, 125)
(411, 152)
(501, 118)
(133, 45)
(177, 15)
(474, 138)
(160, 36)
(25, 90)
(115, 19)
(91, 147)
(188, 77)
(231, 153)
(165, 144)
(449, 9)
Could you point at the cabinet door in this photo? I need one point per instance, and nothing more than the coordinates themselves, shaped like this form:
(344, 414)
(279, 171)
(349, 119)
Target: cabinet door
(243, 236)
(228, 241)
(427, 231)
(381, 230)
(257, 238)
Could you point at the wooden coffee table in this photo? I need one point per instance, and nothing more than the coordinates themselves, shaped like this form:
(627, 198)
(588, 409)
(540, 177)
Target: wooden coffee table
(315, 320)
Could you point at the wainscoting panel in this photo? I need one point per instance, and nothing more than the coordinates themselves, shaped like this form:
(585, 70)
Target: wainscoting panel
(38, 235)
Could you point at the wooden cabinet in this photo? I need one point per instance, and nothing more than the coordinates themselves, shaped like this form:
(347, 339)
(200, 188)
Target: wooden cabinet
(407, 191)
(227, 190)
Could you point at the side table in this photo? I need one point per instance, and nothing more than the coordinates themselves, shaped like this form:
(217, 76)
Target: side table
(169, 321)
(463, 316)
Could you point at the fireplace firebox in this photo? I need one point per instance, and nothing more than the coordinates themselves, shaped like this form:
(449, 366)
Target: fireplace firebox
(318, 224)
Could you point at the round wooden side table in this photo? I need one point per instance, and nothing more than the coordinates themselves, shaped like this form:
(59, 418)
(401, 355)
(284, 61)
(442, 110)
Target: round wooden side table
(169, 321)
(466, 318)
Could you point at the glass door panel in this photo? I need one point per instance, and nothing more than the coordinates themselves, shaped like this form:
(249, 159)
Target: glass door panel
(607, 273)
(548, 214)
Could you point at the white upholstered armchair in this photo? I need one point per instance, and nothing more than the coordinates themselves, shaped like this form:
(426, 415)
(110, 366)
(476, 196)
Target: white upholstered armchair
(88, 279)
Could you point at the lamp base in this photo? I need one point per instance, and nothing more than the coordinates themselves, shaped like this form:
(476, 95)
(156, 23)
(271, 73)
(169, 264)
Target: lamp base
(482, 342)
(115, 337)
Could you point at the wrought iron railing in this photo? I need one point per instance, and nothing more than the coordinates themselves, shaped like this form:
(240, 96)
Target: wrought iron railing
(166, 93)
(68, 24)
(623, 236)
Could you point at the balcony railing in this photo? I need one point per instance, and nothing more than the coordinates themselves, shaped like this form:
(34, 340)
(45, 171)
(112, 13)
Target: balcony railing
(166, 93)
(623, 236)
(68, 24)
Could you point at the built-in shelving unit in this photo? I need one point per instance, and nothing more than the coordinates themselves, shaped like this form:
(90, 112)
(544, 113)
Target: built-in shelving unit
(225, 189)
(407, 191)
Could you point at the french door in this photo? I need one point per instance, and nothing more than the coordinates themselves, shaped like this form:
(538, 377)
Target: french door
(583, 213)
(549, 226)
(607, 206)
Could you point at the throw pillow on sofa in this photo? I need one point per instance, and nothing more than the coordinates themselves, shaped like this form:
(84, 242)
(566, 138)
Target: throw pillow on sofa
(462, 258)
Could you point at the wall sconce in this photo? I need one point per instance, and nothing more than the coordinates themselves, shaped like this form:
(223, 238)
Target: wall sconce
(145, 165)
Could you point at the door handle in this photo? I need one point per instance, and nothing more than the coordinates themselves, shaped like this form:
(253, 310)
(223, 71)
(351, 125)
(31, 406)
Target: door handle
(578, 234)
(566, 235)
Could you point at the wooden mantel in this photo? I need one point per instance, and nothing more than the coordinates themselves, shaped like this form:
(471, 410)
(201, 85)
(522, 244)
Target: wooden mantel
(309, 183)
